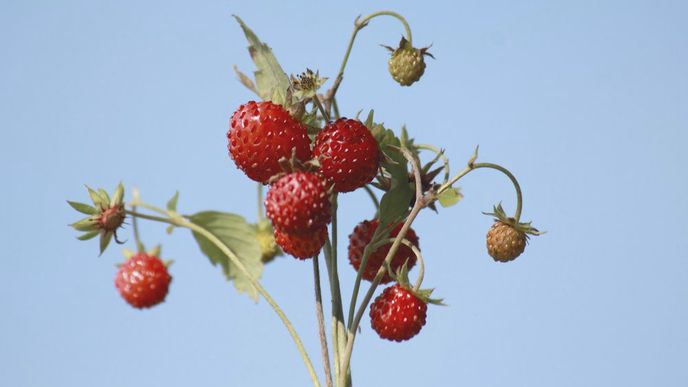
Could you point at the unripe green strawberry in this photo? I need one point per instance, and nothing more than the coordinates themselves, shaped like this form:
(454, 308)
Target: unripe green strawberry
(407, 63)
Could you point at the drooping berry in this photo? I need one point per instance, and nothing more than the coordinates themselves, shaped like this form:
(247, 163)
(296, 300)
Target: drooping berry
(260, 134)
(143, 280)
(397, 314)
(302, 245)
(362, 235)
(348, 154)
(507, 238)
(505, 243)
(298, 202)
(407, 63)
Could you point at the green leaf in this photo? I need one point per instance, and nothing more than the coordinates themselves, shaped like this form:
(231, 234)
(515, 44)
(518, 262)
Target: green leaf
(394, 204)
(172, 203)
(271, 81)
(83, 208)
(88, 235)
(246, 81)
(240, 238)
(450, 197)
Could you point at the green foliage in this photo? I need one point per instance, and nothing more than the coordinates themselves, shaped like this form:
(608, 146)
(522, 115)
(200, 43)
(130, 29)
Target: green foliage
(395, 202)
(240, 238)
(271, 81)
(450, 197)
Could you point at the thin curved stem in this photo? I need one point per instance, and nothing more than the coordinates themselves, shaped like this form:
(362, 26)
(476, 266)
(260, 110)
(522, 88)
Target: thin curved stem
(517, 187)
(321, 323)
(473, 165)
(359, 24)
(439, 154)
(419, 203)
(181, 222)
(416, 252)
(137, 236)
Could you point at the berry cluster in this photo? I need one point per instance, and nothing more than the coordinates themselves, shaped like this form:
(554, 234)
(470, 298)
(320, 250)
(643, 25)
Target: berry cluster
(295, 143)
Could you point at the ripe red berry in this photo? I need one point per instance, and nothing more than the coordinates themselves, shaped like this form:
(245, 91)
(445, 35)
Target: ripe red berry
(348, 154)
(143, 280)
(302, 245)
(360, 238)
(397, 314)
(260, 134)
(298, 202)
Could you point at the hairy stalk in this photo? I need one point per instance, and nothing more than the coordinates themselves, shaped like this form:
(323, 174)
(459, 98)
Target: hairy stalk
(420, 203)
(321, 323)
(181, 222)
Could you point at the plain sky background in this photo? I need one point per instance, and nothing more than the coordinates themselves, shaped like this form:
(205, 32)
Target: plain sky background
(585, 101)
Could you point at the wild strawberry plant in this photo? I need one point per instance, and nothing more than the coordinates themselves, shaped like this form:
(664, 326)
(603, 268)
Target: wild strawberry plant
(295, 142)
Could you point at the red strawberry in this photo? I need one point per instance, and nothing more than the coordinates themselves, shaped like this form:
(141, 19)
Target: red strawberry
(260, 134)
(397, 314)
(348, 153)
(143, 280)
(360, 238)
(302, 245)
(299, 202)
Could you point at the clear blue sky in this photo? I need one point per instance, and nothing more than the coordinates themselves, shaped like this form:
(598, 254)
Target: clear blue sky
(586, 102)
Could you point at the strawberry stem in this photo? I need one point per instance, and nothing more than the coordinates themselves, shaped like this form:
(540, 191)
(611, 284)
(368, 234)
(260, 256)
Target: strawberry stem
(181, 222)
(321, 323)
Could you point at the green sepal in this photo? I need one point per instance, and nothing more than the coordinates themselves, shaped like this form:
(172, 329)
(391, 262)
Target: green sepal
(172, 203)
(450, 197)
(500, 215)
(128, 254)
(85, 224)
(170, 229)
(88, 235)
(156, 251)
(105, 239)
(83, 208)
(117, 196)
(97, 200)
(104, 197)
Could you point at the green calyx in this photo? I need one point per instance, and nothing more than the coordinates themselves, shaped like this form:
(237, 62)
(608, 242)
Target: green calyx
(525, 227)
(424, 295)
(105, 216)
(407, 63)
(266, 239)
